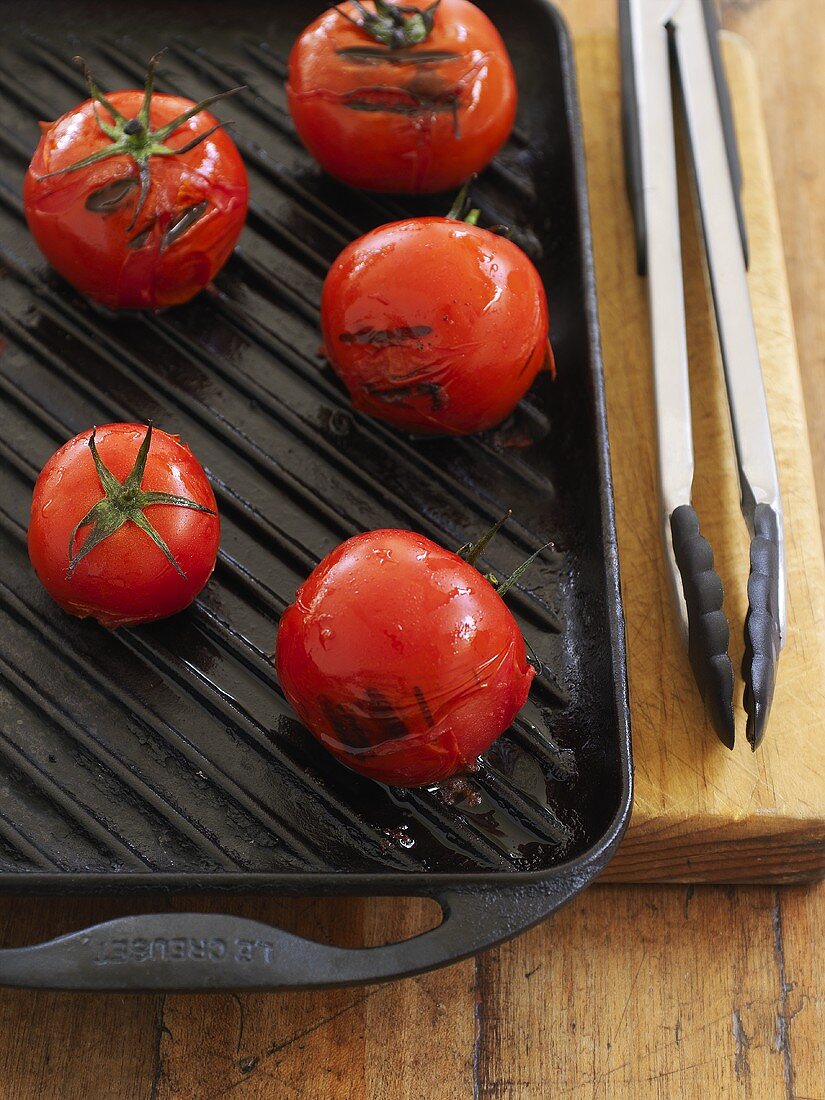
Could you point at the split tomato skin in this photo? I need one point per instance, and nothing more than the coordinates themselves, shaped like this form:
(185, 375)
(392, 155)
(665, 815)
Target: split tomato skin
(435, 325)
(126, 579)
(402, 659)
(85, 231)
(419, 119)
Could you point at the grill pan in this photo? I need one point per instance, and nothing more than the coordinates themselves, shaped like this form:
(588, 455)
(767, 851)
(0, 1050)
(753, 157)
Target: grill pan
(165, 756)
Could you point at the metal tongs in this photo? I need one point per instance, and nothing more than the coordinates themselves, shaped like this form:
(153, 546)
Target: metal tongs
(680, 36)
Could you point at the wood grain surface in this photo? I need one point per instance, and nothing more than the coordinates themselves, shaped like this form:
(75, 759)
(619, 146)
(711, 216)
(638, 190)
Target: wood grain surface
(631, 993)
(702, 813)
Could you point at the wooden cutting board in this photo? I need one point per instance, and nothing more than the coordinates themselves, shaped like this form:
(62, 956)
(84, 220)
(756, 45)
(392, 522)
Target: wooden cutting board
(703, 813)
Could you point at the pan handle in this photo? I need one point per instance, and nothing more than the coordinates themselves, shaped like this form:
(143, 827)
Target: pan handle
(183, 952)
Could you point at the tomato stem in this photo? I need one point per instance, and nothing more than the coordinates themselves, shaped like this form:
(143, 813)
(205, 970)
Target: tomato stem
(472, 551)
(95, 92)
(503, 587)
(134, 137)
(457, 214)
(462, 200)
(396, 26)
(125, 502)
(148, 87)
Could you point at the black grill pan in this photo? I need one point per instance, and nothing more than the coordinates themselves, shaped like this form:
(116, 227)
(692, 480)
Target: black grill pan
(166, 756)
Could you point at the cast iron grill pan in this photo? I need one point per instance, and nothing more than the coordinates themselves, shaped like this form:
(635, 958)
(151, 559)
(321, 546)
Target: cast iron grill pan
(166, 755)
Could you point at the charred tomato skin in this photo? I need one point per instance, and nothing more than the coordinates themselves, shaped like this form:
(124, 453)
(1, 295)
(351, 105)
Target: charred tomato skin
(402, 659)
(160, 261)
(419, 119)
(126, 579)
(434, 325)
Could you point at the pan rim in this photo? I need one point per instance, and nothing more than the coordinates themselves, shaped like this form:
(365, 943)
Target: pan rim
(423, 882)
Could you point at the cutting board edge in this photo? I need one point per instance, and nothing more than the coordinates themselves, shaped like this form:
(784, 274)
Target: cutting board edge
(755, 849)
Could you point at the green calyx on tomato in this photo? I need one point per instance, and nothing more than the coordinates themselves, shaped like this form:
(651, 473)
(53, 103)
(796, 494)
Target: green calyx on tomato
(125, 502)
(459, 211)
(394, 25)
(472, 551)
(134, 137)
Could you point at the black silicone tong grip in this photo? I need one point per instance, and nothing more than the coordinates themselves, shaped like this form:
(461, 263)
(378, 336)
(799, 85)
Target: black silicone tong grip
(763, 640)
(630, 129)
(708, 630)
(202, 952)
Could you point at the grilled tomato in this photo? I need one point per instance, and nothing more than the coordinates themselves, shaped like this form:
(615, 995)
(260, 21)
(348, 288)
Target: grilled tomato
(435, 325)
(136, 198)
(391, 97)
(402, 658)
(123, 525)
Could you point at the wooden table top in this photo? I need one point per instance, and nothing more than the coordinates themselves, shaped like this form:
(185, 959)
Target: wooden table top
(630, 992)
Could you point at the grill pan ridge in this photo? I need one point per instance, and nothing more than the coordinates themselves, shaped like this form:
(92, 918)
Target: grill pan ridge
(166, 755)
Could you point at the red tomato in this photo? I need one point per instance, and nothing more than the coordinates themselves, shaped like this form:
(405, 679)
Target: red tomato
(154, 214)
(400, 99)
(123, 525)
(402, 659)
(435, 325)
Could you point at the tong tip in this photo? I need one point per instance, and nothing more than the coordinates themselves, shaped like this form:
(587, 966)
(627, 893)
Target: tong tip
(717, 690)
(708, 631)
(763, 639)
